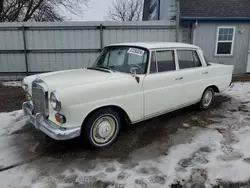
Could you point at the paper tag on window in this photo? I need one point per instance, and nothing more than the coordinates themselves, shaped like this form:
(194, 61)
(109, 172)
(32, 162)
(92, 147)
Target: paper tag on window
(136, 51)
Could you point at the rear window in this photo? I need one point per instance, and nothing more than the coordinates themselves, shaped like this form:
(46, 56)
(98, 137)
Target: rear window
(188, 59)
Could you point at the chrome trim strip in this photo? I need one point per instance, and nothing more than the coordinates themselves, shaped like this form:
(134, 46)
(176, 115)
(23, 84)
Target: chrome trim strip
(47, 126)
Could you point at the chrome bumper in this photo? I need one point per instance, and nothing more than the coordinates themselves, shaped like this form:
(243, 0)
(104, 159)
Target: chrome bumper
(48, 127)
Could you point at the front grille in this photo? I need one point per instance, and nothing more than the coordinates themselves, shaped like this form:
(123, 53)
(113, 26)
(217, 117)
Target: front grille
(39, 99)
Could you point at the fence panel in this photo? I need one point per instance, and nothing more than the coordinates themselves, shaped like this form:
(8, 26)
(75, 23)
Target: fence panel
(30, 48)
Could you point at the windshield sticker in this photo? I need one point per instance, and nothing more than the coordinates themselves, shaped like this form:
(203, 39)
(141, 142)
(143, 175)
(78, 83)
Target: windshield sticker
(136, 51)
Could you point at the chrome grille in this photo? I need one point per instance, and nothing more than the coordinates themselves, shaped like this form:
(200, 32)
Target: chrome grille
(39, 99)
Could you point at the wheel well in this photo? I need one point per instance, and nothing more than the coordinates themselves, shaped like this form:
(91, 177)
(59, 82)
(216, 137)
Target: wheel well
(215, 88)
(122, 113)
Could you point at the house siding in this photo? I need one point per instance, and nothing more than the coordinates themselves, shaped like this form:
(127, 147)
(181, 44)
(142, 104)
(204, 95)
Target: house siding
(185, 34)
(205, 37)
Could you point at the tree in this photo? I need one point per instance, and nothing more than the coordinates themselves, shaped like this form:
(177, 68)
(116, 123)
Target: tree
(38, 10)
(126, 10)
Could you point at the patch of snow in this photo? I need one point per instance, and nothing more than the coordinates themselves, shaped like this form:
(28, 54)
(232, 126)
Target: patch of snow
(12, 122)
(219, 152)
(12, 84)
(21, 177)
(185, 125)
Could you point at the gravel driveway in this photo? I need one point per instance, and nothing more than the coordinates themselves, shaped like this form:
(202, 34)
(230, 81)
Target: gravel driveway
(186, 148)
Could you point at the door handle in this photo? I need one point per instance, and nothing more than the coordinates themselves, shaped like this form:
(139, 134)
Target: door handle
(180, 78)
(205, 73)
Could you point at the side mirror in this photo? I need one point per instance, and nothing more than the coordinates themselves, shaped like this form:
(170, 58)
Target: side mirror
(134, 74)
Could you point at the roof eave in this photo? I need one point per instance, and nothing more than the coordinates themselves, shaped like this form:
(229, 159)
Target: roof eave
(214, 19)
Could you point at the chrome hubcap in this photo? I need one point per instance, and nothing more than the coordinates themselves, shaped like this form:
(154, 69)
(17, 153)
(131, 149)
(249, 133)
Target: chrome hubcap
(104, 129)
(207, 98)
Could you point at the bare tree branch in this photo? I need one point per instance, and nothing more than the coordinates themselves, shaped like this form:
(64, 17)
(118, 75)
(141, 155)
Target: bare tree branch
(126, 10)
(30, 11)
(46, 13)
(1, 6)
(38, 10)
(6, 11)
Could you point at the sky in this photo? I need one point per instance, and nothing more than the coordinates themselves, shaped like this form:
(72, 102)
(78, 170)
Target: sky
(96, 11)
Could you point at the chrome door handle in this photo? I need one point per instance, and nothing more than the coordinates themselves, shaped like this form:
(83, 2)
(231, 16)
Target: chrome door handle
(179, 78)
(205, 73)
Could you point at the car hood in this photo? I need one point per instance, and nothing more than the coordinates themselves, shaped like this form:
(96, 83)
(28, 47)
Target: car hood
(69, 78)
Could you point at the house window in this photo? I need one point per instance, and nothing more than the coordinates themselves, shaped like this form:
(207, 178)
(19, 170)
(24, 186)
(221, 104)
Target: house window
(225, 41)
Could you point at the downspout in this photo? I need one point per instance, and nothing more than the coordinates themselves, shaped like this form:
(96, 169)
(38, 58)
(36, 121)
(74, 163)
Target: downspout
(159, 9)
(194, 30)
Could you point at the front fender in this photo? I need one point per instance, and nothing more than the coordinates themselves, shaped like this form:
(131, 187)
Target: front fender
(79, 101)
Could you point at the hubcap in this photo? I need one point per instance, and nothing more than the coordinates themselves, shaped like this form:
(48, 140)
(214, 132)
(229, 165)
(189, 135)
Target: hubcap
(207, 98)
(104, 129)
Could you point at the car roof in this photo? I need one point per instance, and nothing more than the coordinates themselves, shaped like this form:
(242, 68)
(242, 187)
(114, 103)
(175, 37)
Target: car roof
(157, 45)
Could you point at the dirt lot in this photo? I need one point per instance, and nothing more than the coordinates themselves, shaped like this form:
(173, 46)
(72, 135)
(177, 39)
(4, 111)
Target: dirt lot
(11, 98)
(48, 162)
(241, 77)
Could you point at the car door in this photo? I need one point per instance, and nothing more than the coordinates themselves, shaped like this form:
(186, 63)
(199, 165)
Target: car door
(194, 74)
(162, 85)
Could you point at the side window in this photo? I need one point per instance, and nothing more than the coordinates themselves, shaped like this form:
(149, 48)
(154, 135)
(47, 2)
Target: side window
(153, 67)
(186, 59)
(197, 61)
(165, 60)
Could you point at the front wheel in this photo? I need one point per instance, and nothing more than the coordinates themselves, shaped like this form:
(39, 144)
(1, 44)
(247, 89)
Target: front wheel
(207, 98)
(101, 128)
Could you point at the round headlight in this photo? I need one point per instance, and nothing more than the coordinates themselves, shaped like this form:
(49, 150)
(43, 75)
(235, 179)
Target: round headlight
(55, 101)
(25, 85)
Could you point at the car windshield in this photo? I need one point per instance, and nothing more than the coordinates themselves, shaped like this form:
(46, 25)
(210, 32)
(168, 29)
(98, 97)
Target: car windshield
(123, 59)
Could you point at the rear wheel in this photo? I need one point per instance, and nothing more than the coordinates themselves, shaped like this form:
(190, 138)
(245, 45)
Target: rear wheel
(207, 98)
(102, 127)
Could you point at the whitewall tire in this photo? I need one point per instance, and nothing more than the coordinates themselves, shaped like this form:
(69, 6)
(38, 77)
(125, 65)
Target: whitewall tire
(207, 98)
(101, 128)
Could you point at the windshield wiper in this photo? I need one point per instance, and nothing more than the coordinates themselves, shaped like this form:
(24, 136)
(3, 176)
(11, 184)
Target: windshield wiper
(98, 69)
(103, 67)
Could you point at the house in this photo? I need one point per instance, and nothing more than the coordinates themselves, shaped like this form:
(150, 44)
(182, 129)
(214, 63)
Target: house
(220, 27)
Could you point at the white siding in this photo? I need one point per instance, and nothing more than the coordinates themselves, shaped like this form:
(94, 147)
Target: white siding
(205, 37)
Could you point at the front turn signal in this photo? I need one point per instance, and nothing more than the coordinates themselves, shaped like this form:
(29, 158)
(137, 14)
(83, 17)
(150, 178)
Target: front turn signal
(27, 97)
(60, 118)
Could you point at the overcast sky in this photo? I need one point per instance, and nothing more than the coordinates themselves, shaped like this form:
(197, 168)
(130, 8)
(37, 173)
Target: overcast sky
(95, 12)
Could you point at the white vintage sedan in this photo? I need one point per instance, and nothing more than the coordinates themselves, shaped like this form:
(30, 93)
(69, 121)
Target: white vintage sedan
(129, 82)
